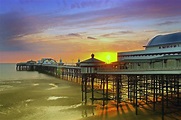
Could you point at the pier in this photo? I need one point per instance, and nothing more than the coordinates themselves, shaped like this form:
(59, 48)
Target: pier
(150, 77)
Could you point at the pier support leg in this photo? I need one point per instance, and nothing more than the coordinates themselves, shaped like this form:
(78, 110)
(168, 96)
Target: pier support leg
(162, 80)
(103, 90)
(136, 92)
(178, 89)
(128, 88)
(82, 87)
(146, 89)
(106, 89)
(85, 89)
(117, 90)
(167, 90)
(92, 83)
(154, 89)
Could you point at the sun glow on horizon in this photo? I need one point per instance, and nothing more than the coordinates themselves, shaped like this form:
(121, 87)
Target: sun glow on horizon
(107, 57)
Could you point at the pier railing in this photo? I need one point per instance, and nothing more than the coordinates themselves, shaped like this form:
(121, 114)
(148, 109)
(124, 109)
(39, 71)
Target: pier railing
(127, 69)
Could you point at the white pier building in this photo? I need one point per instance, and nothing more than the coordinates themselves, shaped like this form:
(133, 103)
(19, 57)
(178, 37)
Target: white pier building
(163, 52)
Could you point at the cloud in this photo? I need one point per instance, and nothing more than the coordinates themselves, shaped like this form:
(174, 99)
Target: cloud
(151, 31)
(168, 23)
(12, 25)
(74, 35)
(154, 8)
(127, 11)
(91, 38)
(15, 25)
(89, 4)
(118, 33)
(126, 32)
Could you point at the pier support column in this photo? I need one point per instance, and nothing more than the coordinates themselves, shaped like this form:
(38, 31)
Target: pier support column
(85, 89)
(107, 88)
(154, 90)
(128, 88)
(117, 90)
(92, 84)
(178, 89)
(136, 94)
(162, 81)
(166, 80)
(103, 90)
(82, 88)
(146, 78)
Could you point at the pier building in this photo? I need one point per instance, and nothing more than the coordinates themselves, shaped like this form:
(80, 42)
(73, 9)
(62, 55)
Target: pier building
(162, 52)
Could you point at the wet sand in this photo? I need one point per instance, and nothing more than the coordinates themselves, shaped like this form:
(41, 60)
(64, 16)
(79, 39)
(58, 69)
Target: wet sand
(55, 99)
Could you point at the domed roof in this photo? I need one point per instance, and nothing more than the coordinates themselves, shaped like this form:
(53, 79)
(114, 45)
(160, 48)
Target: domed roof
(165, 39)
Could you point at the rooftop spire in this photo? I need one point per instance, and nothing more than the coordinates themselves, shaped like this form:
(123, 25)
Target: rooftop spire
(92, 55)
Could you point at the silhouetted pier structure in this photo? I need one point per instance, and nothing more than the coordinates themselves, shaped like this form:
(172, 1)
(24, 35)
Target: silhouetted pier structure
(148, 77)
(28, 66)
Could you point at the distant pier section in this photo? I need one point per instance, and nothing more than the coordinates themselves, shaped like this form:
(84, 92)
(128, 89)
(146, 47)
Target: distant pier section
(26, 66)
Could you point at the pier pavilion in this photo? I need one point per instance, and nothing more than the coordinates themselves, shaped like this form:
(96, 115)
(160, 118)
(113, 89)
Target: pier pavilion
(151, 76)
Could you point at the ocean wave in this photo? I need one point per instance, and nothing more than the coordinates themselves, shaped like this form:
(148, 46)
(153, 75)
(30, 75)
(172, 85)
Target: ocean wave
(29, 100)
(53, 86)
(35, 84)
(5, 87)
(56, 97)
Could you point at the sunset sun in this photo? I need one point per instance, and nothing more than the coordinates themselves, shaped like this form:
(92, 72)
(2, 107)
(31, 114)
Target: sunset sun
(107, 57)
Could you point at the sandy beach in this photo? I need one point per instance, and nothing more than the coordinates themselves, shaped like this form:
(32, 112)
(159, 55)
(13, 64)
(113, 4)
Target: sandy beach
(55, 99)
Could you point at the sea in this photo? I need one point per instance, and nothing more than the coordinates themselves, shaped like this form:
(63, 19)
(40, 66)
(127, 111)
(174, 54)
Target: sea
(8, 72)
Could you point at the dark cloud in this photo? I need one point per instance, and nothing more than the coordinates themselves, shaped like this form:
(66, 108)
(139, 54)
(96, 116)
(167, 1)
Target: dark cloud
(12, 46)
(107, 35)
(74, 35)
(91, 38)
(150, 31)
(128, 10)
(14, 25)
(88, 3)
(119, 33)
(168, 23)
(154, 8)
(126, 32)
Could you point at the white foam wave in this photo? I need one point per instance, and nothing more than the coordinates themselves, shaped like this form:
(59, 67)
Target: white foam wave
(70, 107)
(56, 97)
(35, 84)
(4, 87)
(29, 100)
(53, 86)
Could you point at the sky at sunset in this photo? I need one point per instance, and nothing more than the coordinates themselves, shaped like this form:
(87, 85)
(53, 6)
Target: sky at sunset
(73, 29)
